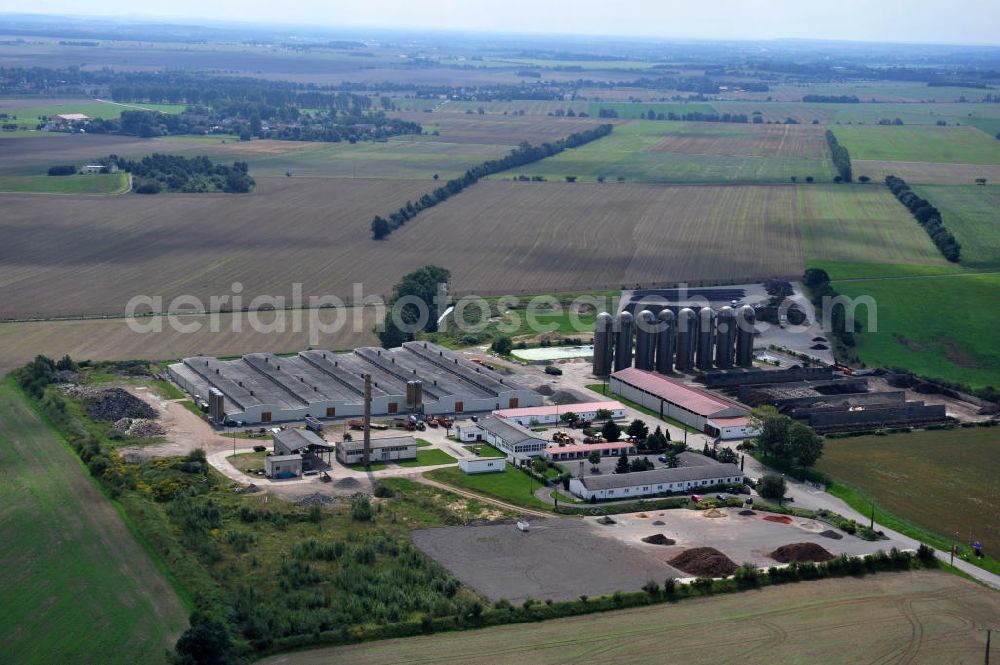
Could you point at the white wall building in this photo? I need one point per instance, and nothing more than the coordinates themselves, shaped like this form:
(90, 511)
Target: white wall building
(550, 414)
(482, 464)
(511, 438)
(658, 481)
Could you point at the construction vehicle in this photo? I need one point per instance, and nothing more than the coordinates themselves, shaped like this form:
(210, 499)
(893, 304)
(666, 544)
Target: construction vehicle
(325, 477)
(580, 424)
(562, 438)
(595, 439)
(314, 424)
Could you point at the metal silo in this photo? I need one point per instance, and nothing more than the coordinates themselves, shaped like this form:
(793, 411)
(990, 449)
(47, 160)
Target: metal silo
(706, 337)
(645, 340)
(665, 341)
(745, 319)
(623, 341)
(687, 328)
(603, 344)
(725, 337)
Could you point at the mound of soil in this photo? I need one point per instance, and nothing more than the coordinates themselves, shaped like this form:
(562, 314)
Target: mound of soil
(830, 533)
(545, 390)
(713, 512)
(747, 513)
(659, 539)
(349, 483)
(819, 347)
(780, 519)
(800, 552)
(606, 520)
(659, 523)
(703, 562)
(642, 516)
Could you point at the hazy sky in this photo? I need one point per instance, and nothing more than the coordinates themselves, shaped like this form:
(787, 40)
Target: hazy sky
(954, 21)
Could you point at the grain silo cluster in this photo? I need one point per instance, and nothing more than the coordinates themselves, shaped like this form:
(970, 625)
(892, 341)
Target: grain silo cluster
(668, 341)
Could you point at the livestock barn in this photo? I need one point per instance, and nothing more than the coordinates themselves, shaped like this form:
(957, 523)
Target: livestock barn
(417, 377)
(709, 413)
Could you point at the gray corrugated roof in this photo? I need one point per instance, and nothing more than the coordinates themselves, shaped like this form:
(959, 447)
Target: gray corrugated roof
(661, 476)
(359, 444)
(294, 438)
(507, 430)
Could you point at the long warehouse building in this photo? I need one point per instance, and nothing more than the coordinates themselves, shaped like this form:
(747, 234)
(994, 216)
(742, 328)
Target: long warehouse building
(263, 388)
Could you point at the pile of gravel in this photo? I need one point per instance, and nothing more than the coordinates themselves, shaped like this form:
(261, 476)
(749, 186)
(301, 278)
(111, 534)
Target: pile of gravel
(704, 562)
(747, 513)
(109, 404)
(800, 552)
(659, 523)
(830, 533)
(317, 499)
(139, 427)
(348, 483)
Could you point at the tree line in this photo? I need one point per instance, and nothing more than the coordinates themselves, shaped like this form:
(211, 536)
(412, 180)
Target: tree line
(818, 282)
(841, 158)
(524, 154)
(831, 99)
(927, 216)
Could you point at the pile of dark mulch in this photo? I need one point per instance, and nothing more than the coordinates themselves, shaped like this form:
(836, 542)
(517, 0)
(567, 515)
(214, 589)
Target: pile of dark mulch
(606, 520)
(348, 483)
(703, 562)
(659, 539)
(830, 533)
(800, 552)
(659, 523)
(747, 513)
(113, 404)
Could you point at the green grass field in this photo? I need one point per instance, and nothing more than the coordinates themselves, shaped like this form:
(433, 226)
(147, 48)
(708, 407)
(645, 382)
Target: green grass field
(248, 463)
(655, 151)
(77, 586)
(512, 485)
(944, 481)
(861, 223)
(940, 326)
(633, 110)
(980, 115)
(32, 115)
(431, 457)
(970, 212)
(110, 183)
(953, 145)
(485, 450)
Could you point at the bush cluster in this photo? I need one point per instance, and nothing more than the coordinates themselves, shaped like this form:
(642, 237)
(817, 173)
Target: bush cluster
(841, 158)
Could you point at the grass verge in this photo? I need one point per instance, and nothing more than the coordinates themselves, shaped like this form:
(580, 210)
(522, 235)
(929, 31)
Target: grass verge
(512, 486)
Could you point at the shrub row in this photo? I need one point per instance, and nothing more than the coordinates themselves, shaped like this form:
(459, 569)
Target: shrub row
(519, 156)
(927, 216)
(818, 282)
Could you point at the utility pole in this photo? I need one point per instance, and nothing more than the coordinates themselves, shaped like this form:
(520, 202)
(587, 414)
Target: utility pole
(872, 524)
(989, 632)
(367, 451)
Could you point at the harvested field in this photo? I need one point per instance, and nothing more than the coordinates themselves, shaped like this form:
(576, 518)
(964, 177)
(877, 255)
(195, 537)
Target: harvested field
(923, 617)
(496, 237)
(955, 469)
(673, 152)
(714, 138)
(112, 339)
(659, 539)
(929, 173)
(800, 552)
(498, 129)
(780, 519)
(71, 561)
(704, 562)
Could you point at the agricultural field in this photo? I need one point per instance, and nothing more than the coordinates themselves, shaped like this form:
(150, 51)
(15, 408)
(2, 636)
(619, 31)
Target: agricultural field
(930, 173)
(888, 468)
(946, 326)
(498, 129)
(29, 112)
(109, 183)
(497, 237)
(951, 145)
(78, 587)
(633, 111)
(676, 152)
(112, 339)
(864, 113)
(970, 212)
(925, 617)
(862, 223)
